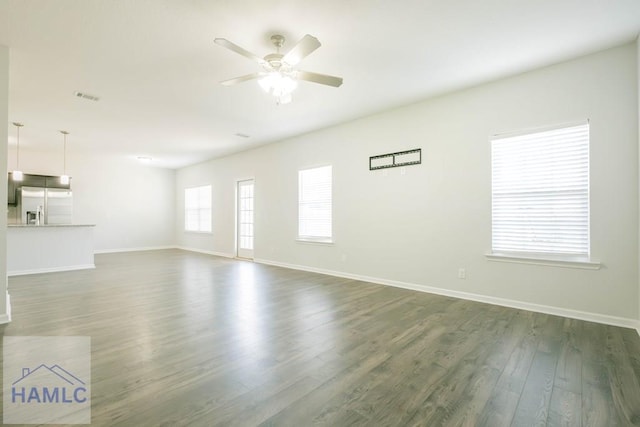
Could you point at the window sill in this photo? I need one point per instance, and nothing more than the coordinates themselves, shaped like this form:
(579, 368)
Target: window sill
(327, 242)
(567, 262)
(197, 232)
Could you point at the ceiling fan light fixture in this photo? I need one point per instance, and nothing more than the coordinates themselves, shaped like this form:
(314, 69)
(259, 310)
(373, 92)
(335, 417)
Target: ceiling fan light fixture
(266, 82)
(278, 84)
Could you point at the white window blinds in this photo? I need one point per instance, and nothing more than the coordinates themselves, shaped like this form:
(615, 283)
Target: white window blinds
(314, 204)
(197, 209)
(540, 192)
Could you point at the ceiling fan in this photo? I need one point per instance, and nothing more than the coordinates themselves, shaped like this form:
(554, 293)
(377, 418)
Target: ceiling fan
(279, 75)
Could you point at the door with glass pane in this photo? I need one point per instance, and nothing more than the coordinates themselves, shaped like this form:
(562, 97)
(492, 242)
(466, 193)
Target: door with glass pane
(245, 219)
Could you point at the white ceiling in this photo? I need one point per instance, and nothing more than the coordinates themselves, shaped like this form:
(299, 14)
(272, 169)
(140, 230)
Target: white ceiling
(156, 69)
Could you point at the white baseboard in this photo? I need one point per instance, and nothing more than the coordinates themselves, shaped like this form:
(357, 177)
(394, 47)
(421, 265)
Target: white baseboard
(202, 251)
(146, 248)
(6, 317)
(155, 248)
(50, 270)
(556, 311)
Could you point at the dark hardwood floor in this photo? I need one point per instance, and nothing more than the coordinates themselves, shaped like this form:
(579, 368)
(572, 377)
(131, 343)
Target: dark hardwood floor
(181, 338)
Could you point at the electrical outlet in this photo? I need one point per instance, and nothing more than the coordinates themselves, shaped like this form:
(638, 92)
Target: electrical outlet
(462, 273)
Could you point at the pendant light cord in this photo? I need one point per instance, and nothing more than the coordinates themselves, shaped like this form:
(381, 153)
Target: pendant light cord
(18, 126)
(18, 147)
(64, 152)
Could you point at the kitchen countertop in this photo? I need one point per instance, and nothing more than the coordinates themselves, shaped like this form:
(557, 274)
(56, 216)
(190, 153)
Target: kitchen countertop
(48, 225)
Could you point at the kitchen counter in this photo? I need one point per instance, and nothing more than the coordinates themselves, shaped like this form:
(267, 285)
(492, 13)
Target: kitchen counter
(48, 248)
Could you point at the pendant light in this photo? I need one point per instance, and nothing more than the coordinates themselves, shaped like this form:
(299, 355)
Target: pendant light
(64, 178)
(17, 173)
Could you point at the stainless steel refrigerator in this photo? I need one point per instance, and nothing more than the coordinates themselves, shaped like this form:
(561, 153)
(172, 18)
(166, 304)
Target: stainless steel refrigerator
(44, 206)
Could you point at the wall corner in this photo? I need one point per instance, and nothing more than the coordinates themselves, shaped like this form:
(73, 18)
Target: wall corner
(638, 169)
(5, 315)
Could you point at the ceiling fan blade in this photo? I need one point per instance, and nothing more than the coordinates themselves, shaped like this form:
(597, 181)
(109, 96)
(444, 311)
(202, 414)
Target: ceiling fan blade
(240, 79)
(234, 47)
(304, 47)
(323, 79)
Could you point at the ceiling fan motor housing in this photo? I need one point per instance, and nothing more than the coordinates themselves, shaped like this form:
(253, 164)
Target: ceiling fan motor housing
(274, 60)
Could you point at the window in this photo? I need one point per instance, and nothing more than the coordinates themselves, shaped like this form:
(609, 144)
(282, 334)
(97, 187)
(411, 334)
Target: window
(244, 218)
(197, 209)
(540, 193)
(314, 204)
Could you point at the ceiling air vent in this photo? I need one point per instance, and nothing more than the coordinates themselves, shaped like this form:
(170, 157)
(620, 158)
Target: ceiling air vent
(86, 96)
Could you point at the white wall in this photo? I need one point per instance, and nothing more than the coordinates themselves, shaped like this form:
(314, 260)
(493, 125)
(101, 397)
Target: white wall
(4, 124)
(132, 205)
(638, 77)
(422, 226)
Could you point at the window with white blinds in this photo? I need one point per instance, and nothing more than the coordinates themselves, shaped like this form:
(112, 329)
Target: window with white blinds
(197, 209)
(314, 204)
(540, 193)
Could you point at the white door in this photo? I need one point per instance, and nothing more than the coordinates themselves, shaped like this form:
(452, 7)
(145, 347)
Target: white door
(244, 228)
